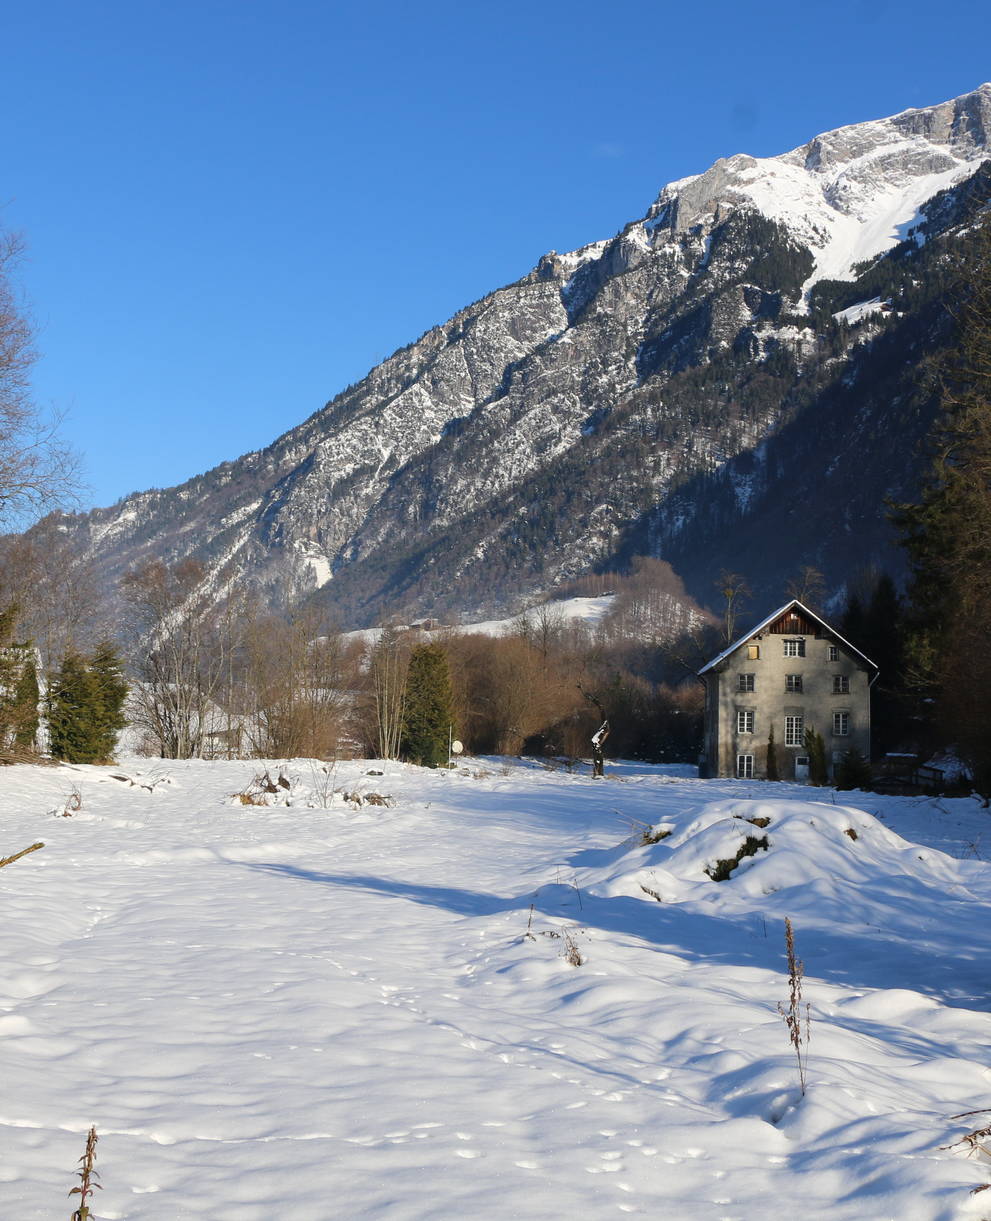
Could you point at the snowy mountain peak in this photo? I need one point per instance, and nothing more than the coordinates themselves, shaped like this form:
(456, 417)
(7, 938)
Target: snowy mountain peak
(645, 395)
(847, 194)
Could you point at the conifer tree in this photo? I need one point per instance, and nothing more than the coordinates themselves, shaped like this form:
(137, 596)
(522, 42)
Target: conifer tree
(427, 716)
(72, 699)
(111, 691)
(815, 748)
(772, 757)
(85, 706)
(948, 538)
(25, 707)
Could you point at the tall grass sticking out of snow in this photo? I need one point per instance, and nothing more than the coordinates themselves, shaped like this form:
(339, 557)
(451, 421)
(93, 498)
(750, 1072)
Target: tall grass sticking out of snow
(797, 1033)
(87, 1175)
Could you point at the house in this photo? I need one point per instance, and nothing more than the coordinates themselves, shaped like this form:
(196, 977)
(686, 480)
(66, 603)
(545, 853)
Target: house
(790, 673)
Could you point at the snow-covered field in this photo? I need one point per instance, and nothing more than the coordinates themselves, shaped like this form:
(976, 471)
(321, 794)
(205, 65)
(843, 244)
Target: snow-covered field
(330, 1010)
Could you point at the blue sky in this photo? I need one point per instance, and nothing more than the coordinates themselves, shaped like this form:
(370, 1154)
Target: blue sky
(234, 209)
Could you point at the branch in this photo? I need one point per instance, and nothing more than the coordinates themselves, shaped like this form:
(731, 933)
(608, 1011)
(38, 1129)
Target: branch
(7, 860)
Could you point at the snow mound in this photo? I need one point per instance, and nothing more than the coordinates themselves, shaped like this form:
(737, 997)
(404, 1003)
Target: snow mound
(816, 857)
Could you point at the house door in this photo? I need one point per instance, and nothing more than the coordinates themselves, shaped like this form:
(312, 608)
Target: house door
(801, 767)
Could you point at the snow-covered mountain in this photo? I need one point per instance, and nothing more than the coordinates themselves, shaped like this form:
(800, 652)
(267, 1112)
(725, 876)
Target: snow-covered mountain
(731, 381)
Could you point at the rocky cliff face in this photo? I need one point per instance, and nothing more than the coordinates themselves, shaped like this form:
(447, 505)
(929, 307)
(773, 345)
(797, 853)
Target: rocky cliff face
(729, 382)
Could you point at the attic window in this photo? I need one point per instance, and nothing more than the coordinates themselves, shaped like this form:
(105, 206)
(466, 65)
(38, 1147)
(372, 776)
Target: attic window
(832, 653)
(753, 652)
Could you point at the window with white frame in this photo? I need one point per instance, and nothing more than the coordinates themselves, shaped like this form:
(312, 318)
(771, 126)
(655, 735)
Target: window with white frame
(794, 648)
(745, 767)
(793, 682)
(832, 653)
(746, 682)
(744, 720)
(841, 724)
(841, 684)
(794, 730)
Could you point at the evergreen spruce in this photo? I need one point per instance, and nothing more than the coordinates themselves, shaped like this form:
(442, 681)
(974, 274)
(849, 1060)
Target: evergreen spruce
(85, 706)
(111, 691)
(772, 757)
(874, 621)
(25, 707)
(72, 698)
(427, 717)
(948, 537)
(815, 748)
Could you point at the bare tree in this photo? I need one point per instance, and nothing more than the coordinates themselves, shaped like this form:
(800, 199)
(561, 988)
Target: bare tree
(297, 679)
(35, 468)
(389, 666)
(808, 586)
(736, 592)
(182, 659)
(61, 599)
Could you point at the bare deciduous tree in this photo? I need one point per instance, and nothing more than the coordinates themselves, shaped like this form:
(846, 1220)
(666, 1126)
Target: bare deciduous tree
(61, 600)
(182, 663)
(35, 468)
(297, 680)
(389, 666)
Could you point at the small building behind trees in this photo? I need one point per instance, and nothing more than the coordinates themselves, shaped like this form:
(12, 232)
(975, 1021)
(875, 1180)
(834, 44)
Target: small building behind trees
(794, 677)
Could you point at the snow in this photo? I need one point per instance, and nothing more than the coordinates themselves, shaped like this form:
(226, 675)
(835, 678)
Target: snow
(860, 311)
(322, 1008)
(848, 195)
(313, 559)
(852, 216)
(590, 610)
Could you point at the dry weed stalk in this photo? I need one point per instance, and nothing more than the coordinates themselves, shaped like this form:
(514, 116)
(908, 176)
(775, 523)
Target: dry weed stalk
(9, 860)
(73, 803)
(87, 1175)
(797, 1032)
(572, 953)
(976, 1141)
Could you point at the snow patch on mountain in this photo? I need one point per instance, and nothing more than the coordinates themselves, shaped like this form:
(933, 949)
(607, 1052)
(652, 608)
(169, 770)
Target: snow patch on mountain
(849, 194)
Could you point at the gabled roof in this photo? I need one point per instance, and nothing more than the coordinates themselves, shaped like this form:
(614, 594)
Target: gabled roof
(765, 623)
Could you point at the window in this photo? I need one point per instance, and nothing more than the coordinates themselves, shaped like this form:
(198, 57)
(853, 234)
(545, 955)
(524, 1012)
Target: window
(794, 730)
(841, 724)
(793, 682)
(794, 648)
(745, 767)
(753, 652)
(841, 684)
(832, 653)
(744, 721)
(746, 682)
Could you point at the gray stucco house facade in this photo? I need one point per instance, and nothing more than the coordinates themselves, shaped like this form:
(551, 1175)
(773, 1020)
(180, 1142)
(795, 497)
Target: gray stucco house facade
(792, 672)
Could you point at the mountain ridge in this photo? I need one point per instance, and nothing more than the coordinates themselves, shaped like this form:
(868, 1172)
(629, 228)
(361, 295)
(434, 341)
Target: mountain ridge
(561, 422)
